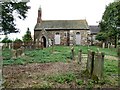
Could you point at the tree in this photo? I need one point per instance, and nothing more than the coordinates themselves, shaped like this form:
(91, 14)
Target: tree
(27, 37)
(101, 36)
(116, 0)
(18, 40)
(111, 20)
(6, 40)
(8, 19)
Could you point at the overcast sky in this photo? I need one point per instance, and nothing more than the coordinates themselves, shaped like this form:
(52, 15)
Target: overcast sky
(91, 10)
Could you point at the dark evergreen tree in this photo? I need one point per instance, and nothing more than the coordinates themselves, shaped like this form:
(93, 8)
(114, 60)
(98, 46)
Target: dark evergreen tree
(27, 37)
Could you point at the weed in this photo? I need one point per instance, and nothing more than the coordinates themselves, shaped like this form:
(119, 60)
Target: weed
(44, 85)
(63, 78)
(90, 84)
(79, 82)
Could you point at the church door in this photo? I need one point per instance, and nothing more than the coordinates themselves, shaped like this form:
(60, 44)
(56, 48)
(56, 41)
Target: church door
(78, 38)
(57, 38)
(43, 41)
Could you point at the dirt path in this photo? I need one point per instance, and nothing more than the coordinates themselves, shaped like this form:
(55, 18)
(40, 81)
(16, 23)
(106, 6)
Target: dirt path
(26, 75)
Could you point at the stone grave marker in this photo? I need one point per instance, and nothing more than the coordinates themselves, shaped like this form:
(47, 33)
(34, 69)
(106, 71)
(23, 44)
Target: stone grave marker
(90, 61)
(98, 65)
(79, 56)
(14, 54)
(73, 54)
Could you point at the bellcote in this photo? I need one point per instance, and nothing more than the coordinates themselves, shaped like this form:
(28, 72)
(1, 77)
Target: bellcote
(39, 19)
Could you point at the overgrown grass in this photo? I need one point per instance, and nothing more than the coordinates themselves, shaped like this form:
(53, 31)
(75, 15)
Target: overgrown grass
(111, 72)
(62, 78)
(111, 51)
(109, 77)
(6, 53)
(60, 53)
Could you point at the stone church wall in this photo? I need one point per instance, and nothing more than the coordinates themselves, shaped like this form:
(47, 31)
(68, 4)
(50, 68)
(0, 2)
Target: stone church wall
(63, 36)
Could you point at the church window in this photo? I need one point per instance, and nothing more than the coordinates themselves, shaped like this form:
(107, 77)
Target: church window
(57, 33)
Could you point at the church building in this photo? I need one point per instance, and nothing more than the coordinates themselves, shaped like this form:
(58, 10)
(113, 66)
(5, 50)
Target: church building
(60, 32)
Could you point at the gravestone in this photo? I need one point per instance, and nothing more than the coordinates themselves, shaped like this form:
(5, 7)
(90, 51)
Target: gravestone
(79, 56)
(98, 65)
(14, 54)
(90, 61)
(103, 45)
(72, 52)
(19, 52)
(108, 45)
(37, 44)
(9, 45)
(22, 49)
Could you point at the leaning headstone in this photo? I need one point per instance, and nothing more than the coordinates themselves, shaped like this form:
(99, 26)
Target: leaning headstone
(23, 50)
(19, 52)
(12, 45)
(79, 56)
(9, 45)
(37, 44)
(98, 65)
(103, 45)
(72, 52)
(108, 45)
(14, 54)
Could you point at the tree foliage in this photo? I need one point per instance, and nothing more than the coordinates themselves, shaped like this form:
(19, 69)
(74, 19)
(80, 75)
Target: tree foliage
(110, 21)
(27, 37)
(6, 40)
(101, 36)
(18, 40)
(8, 18)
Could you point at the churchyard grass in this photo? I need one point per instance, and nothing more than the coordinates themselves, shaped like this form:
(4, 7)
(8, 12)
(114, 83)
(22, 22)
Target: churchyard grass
(59, 53)
(63, 54)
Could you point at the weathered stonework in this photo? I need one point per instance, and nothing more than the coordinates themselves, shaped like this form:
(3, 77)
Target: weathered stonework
(64, 38)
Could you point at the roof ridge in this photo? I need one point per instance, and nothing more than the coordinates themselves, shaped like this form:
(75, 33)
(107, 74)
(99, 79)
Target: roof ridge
(66, 20)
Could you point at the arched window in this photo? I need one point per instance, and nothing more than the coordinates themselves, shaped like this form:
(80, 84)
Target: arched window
(77, 32)
(57, 33)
